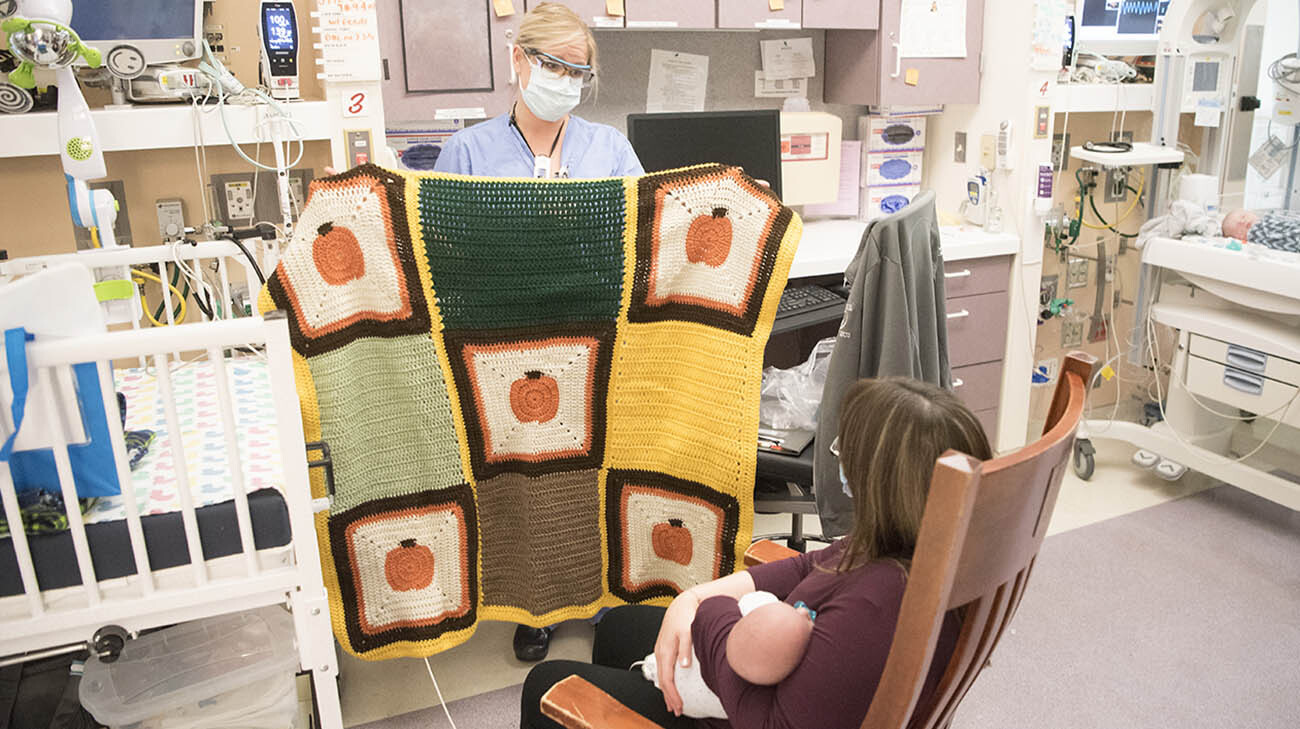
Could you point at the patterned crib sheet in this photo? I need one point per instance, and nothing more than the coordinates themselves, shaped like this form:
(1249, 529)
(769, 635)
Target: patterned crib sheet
(198, 410)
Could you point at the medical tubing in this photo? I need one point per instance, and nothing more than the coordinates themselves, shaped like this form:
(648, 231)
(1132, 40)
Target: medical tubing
(144, 304)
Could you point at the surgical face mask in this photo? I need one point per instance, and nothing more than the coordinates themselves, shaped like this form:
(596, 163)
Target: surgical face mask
(550, 96)
(844, 482)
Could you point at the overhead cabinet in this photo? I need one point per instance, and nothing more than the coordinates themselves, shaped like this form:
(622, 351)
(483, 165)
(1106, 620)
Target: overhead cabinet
(870, 66)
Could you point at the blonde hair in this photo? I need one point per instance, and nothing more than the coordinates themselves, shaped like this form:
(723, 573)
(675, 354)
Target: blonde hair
(892, 430)
(551, 24)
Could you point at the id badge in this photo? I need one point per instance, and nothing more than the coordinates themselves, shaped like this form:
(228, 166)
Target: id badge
(541, 167)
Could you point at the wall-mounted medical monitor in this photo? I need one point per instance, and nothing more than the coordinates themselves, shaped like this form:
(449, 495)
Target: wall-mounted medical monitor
(161, 31)
(748, 139)
(1119, 27)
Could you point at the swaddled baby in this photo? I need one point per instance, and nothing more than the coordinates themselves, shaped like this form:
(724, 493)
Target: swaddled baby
(1278, 229)
(764, 647)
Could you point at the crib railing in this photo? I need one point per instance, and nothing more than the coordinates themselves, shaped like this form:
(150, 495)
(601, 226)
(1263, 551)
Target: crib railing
(200, 257)
(82, 609)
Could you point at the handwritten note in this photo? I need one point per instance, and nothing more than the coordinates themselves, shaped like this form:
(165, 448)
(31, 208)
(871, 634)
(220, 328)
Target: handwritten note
(349, 40)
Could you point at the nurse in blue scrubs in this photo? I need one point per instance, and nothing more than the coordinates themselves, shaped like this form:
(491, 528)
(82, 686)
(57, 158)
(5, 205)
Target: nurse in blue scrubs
(555, 60)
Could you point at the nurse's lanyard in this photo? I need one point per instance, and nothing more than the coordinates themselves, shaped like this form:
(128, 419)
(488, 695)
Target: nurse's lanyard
(541, 163)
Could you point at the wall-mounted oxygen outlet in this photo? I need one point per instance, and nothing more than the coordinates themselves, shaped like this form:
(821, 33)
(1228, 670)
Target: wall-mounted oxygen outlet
(237, 205)
(238, 196)
(1077, 275)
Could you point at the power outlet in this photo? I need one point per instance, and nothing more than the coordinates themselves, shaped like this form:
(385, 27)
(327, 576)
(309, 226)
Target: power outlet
(1071, 333)
(988, 151)
(1110, 268)
(1047, 289)
(1097, 329)
(1116, 185)
(296, 194)
(1077, 276)
(1060, 152)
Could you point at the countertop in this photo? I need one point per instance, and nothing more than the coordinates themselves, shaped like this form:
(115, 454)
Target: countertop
(828, 245)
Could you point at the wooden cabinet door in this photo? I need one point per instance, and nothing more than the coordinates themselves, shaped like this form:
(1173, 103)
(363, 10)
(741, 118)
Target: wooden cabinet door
(694, 14)
(592, 11)
(751, 14)
(937, 80)
(845, 14)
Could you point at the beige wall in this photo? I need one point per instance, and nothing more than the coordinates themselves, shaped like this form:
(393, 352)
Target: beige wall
(33, 202)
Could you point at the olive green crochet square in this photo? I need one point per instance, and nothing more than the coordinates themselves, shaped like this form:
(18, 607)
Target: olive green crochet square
(507, 254)
(383, 445)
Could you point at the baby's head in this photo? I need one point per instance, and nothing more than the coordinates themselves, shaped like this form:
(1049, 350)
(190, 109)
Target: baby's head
(1236, 224)
(766, 645)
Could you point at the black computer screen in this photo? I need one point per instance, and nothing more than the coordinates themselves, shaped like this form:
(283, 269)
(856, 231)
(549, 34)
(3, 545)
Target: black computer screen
(747, 139)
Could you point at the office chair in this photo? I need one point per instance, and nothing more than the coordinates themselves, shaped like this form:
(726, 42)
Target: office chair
(980, 534)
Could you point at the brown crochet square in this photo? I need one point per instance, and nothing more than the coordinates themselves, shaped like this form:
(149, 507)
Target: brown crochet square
(541, 540)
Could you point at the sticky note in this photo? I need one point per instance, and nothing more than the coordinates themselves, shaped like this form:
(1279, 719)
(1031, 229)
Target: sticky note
(775, 5)
(912, 77)
(503, 7)
(613, 7)
(1108, 373)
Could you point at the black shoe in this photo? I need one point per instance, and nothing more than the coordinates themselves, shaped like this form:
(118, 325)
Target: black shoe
(531, 644)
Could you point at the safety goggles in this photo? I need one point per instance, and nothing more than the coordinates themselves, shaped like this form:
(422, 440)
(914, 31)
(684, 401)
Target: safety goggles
(558, 67)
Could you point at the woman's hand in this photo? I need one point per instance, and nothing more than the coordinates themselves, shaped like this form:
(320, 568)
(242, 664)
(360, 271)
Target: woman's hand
(674, 646)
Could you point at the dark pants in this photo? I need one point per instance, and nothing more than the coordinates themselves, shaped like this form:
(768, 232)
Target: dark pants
(625, 636)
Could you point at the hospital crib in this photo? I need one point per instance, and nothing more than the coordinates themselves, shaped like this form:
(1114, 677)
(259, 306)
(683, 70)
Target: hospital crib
(217, 517)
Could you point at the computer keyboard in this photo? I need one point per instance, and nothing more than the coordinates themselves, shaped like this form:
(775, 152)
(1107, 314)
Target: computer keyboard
(803, 299)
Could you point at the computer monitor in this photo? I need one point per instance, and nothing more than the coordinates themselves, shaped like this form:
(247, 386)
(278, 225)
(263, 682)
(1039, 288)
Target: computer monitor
(749, 139)
(1119, 27)
(161, 31)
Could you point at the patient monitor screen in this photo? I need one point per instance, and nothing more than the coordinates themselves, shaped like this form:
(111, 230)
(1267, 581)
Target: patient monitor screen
(748, 139)
(101, 20)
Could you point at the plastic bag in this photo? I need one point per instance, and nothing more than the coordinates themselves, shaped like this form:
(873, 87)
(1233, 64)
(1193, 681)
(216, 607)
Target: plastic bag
(790, 398)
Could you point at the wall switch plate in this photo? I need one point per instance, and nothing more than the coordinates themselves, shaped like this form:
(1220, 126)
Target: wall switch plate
(959, 148)
(1078, 273)
(1042, 121)
(1097, 329)
(1071, 333)
(988, 151)
(121, 228)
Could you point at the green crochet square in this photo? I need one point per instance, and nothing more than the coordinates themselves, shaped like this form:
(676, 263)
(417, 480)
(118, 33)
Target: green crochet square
(384, 445)
(507, 254)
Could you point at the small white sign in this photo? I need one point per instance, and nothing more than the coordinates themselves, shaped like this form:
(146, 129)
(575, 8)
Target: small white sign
(464, 112)
(788, 58)
(779, 88)
(677, 81)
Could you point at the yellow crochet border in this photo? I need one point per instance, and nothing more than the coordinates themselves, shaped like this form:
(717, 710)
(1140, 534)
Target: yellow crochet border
(312, 431)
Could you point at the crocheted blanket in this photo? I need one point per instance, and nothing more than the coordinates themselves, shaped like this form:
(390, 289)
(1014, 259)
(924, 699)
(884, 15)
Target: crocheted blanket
(541, 397)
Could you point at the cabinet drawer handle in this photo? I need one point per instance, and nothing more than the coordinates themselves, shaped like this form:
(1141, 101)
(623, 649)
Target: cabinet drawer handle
(1247, 359)
(957, 382)
(960, 274)
(959, 314)
(1243, 381)
(898, 62)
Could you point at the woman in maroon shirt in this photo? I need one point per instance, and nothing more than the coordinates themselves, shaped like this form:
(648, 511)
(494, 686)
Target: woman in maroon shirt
(891, 432)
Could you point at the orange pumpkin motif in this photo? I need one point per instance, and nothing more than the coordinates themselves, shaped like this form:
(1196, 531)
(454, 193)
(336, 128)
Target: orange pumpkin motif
(337, 255)
(672, 541)
(409, 566)
(708, 240)
(535, 397)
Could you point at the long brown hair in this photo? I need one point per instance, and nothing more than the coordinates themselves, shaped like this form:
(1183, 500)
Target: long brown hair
(892, 430)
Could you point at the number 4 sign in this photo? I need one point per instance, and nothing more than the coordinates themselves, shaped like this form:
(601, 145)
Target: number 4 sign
(356, 103)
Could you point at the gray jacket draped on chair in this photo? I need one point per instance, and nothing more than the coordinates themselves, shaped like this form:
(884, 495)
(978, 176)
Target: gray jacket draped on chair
(894, 324)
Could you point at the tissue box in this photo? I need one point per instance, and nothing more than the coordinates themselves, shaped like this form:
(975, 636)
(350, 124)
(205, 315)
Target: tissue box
(894, 168)
(892, 133)
(881, 200)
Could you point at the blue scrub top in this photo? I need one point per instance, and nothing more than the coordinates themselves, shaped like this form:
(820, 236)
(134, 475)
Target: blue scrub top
(495, 149)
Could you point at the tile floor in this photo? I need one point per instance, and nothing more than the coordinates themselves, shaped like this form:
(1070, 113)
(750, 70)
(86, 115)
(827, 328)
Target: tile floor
(372, 691)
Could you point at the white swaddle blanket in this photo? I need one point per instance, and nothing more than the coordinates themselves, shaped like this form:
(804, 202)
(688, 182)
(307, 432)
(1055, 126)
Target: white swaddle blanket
(698, 701)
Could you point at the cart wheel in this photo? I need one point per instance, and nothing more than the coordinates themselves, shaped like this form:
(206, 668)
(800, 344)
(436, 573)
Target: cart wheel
(1084, 463)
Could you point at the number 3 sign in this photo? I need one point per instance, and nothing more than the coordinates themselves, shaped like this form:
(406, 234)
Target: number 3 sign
(356, 103)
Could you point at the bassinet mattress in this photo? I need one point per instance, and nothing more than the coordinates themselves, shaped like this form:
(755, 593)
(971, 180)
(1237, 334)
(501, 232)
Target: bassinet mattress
(197, 406)
(154, 480)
